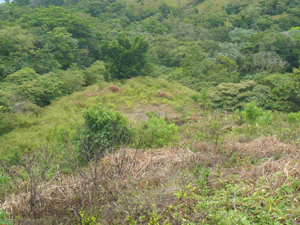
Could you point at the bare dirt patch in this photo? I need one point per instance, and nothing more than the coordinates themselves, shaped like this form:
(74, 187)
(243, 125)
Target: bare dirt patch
(161, 110)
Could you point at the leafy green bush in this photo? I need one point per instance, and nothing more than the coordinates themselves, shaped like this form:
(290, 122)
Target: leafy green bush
(103, 129)
(293, 117)
(230, 96)
(266, 118)
(7, 120)
(252, 112)
(42, 90)
(73, 80)
(23, 75)
(195, 98)
(157, 133)
(94, 73)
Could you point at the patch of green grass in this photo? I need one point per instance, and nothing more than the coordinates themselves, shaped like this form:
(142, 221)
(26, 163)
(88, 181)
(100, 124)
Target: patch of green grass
(36, 131)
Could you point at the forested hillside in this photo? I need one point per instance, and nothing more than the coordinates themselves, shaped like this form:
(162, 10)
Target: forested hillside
(60, 43)
(211, 84)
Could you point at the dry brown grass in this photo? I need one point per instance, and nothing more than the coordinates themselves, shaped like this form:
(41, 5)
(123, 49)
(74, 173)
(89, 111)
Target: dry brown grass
(114, 88)
(163, 94)
(263, 147)
(134, 181)
(111, 88)
(145, 169)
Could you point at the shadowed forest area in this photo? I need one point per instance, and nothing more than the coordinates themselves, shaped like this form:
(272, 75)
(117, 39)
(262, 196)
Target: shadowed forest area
(149, 112)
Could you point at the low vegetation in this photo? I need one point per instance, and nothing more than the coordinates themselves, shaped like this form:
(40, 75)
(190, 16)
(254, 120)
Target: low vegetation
(211, 168)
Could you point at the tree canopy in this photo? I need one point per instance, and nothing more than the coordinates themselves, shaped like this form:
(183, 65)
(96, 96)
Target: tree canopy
(125, 58)
(85, 41)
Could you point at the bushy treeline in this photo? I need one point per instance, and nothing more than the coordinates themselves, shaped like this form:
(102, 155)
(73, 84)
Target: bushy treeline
(246, 52)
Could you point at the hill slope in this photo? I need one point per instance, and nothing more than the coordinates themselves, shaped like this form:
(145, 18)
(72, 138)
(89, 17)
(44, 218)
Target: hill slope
(133, 98)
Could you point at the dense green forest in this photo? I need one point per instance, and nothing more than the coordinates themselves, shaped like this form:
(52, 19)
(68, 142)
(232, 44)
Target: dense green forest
(227, 73)
(50, 48)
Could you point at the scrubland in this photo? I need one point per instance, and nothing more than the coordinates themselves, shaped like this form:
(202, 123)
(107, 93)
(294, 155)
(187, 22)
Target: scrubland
(212, 168)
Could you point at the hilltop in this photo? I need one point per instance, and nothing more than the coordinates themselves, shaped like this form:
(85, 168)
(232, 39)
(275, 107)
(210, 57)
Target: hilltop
(134, 98)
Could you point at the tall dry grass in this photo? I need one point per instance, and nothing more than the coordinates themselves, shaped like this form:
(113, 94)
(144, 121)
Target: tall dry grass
(137, 183)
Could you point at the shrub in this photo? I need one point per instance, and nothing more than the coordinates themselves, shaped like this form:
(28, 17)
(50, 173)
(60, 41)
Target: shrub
(266, 118)
(157, 132)
(94, 73)
(252, 112)
(7, 120)
(42, 90)
(229, 96)
(73, 80)
(195, 98)
(24, 75)
(293, 117)
(103, 129)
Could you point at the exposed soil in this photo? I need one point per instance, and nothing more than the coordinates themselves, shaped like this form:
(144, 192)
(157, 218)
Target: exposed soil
(162, 110)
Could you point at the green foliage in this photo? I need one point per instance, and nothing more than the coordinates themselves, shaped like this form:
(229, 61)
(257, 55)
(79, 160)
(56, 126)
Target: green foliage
(3, 180)
(17, 50)
(157, 133)
(252, 112)
(204, 96)
(293, 118)
(37, 127)
(72, 79)
(266, 118)
(203, 45)
(64, 46)
(22, 76)
(231, 96)
(90, 218)
(285, 90)
(201, 174)
(4, 98)
(3, 215)
(103, 129)
(195, 64)
(7, 120)
(42, 90)
(195, 98)
(227, 204)
(55, 16)
(94, 73)
(3, 219)
(125, 59)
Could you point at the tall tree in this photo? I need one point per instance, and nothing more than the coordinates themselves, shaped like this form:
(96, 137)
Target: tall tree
(125, 58)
